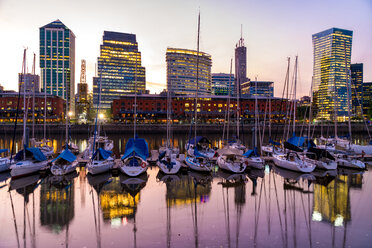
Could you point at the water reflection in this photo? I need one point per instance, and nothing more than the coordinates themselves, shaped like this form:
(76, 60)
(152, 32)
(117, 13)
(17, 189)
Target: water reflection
(57, 202)
(260, 208)
(238, 183)
(25, 187)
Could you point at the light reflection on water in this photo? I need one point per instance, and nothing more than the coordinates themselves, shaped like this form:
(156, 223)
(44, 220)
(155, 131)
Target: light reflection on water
(268, 208)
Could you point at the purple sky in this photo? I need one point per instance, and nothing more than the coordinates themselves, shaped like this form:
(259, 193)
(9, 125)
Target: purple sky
(273, 30)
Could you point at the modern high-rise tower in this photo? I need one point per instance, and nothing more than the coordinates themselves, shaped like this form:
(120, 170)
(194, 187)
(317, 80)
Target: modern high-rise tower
(119, 68)
(240, 64)
(57, 61)
(182, 71)
(356, 74)
(332, 54)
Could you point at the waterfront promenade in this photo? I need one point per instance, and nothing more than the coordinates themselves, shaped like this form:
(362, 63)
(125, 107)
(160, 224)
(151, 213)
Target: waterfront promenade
(112, 128)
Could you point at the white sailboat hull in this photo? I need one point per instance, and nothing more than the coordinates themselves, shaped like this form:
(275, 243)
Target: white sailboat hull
(350, 163)
(359, 149)
(167, 170)
(237, 166)
(256, 162)
(133, 171)
(97, 167)
(26, 167)
(4, 164)
(198, 164)
(59, 170)
(281, 160)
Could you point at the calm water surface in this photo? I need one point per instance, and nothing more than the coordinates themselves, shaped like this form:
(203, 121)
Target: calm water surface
(270, 208)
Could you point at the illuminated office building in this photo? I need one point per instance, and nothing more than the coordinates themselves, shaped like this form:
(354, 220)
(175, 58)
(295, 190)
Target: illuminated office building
(30, 81)
(264, 88)
(182, 71)
(221, 83)
(356, 72)
(240, 65)
(332, 53)
(119, 68)
(367, 97)
(57, 61)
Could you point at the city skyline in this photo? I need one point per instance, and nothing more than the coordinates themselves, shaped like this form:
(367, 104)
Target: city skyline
(269, 31)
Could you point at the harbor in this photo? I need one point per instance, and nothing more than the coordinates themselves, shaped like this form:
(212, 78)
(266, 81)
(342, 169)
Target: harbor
(255, 208)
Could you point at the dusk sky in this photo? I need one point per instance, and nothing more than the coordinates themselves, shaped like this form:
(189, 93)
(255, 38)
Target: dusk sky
(273, 30)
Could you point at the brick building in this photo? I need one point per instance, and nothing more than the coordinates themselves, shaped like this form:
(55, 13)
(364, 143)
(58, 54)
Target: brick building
(211, 109)
(8, 107)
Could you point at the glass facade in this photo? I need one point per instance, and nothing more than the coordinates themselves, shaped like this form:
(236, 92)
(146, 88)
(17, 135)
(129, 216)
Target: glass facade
(332, 54)
(119, 67)
(264, 88)
(367, 97)
(181, 71)
(221, 83)
(57, 61)
(356, 71)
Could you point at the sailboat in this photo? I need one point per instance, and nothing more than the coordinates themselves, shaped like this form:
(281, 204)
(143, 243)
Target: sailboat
(253, 157)
(134, 159)
(66, 161)
(29, 160)
(168, 161)
(230, 157)
(47, 150)
(101, 160)
(292, 160)
(4, 161)
(198, 148)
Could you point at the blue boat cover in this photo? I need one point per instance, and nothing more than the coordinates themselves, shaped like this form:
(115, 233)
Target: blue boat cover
(310, 144)
(66, 155)
(198, 139)
(297, 141)
(370, 142)
(274, 143)
(250, 153)
(136, 147)
(4, 150)
(198, 154)
(103, 154)
(33, 151)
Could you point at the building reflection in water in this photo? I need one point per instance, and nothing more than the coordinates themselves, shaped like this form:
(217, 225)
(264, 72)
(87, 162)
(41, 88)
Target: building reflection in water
(181, 189)
(57, 204)
(119, 197)
(332, 199)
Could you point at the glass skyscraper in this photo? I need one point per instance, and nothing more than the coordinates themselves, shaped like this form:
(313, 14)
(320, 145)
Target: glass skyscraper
(182, 72)
(332, 54)
(119, 68)
(57, 61)
(356, 73)
(264, 88)
(222, 83)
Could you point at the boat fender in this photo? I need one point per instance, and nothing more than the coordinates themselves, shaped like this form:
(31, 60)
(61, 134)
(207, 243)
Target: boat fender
(143, 164)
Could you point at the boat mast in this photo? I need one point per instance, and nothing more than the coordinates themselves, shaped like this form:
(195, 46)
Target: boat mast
(294, 96)
(24, 104)
(197, 82)
(228, 105)
(45, 112)
(256, 115)
(66, 115)
(310, 111)
(169, 101)
(135, 99)
(33, 98)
